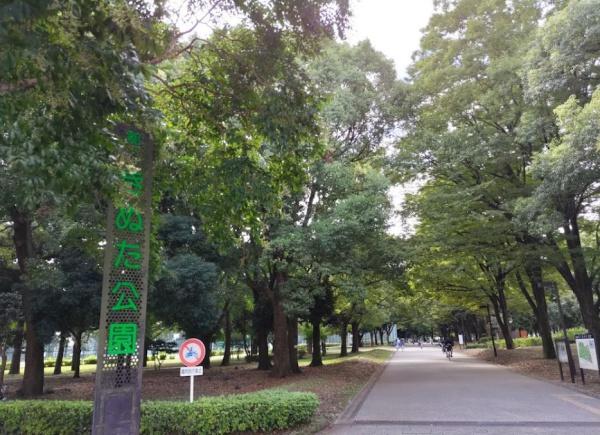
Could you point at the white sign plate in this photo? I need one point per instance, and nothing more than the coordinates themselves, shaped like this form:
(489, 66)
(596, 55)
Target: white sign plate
(461, 339)
(561, 350)
(191, 371)
(586, 351)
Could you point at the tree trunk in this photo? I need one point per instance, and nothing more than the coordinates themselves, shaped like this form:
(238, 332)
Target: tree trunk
(505, 325)
(371, 338)
(15, 363)
(534, 273)
(376, 340)
(293, 343)
(145, 356)
(344, 339)
(476, 328)
(309, 344)
(76, 362)
(207, 339)
(3, 361)
(33, 377)
(227, 328)
(262, 321)
(323, 347)
(262, 338)
(317, 359)
(381, 336)
(502, 323)
(355, 337)
(281, 353)
(60, 354)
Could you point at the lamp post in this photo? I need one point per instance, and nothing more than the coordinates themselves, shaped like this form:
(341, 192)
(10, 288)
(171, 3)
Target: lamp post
(551, 285)
(487, 307)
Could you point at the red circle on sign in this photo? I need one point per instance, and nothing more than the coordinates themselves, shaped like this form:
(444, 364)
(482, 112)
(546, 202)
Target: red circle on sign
(192, 352)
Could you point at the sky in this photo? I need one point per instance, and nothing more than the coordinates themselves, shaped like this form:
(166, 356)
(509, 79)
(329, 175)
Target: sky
(392, 26)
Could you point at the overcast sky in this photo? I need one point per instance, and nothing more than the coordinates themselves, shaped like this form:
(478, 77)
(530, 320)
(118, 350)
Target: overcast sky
(393, 26)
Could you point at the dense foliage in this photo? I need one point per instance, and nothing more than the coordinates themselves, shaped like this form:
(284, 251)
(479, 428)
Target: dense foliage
(277, 147)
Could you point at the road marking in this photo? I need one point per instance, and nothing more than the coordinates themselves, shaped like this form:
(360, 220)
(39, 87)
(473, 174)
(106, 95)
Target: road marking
(571, 399)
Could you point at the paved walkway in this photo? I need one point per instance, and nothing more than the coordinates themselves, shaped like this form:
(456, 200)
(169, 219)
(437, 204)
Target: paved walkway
(421, 392)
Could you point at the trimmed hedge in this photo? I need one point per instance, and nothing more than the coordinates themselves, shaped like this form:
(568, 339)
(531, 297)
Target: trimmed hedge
(90, 359)
(262, 411)
(52, 362)
(486, 342)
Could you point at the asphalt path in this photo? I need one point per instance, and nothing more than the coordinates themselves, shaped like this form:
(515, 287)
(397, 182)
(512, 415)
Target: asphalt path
(421, 392)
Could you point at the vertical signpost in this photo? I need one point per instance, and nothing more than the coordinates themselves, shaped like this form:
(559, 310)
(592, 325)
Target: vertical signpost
(551, 285)
(487, 307)
(561, 356)
(191, 353)
(124, 289)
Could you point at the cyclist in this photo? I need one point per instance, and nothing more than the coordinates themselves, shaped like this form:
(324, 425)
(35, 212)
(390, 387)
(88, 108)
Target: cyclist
(447, 345)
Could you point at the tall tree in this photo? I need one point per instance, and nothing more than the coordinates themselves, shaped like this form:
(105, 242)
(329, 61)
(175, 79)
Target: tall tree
(469, 122)
(66, 67)
(563, 75)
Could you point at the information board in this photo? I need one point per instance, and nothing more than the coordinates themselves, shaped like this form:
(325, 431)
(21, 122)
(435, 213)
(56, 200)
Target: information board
(586, 352)
(124, 289)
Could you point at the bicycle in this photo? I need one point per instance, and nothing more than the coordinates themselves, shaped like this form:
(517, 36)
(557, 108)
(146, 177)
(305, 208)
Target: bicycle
(448, 352)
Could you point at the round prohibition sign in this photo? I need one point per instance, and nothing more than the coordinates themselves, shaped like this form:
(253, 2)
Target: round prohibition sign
(192, 352)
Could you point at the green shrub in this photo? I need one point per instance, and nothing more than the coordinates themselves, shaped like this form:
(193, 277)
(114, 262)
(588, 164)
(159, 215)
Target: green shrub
(171, 356)
(477, 346)
(261, 411)
(571, 332)
(90, 360)
(162, 356)
(45, 417)
(302, 350)
(50, 362)
(527, 341)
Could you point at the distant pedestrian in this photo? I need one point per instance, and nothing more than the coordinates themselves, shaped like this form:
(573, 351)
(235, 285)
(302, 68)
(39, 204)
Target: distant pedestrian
(402, 344)
(420, 344)
(397, 344)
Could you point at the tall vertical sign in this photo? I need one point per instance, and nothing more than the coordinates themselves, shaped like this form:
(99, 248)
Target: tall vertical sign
(124, 290)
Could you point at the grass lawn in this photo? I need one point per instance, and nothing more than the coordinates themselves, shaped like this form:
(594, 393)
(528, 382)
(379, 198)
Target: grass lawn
(87, 369)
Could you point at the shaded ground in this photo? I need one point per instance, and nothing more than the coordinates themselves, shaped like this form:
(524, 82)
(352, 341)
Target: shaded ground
(335, 383)
(529, 361)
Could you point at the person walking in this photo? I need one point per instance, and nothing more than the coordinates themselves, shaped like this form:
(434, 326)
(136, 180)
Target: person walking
(397, 343)
(402, 344)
